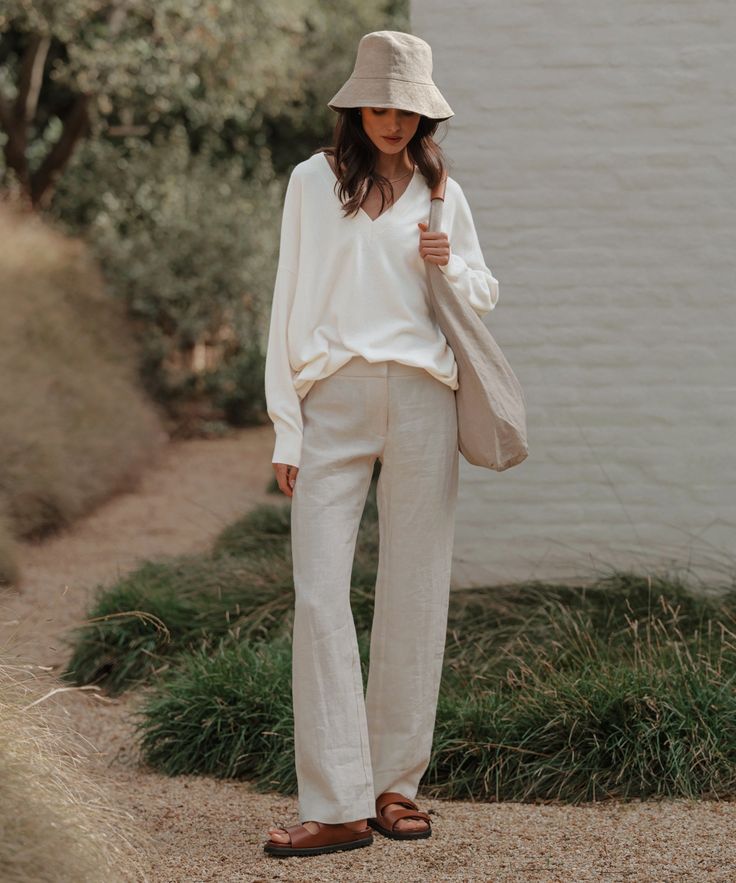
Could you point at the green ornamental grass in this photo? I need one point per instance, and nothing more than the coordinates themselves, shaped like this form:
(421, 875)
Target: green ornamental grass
(620, 688)
(242, 589)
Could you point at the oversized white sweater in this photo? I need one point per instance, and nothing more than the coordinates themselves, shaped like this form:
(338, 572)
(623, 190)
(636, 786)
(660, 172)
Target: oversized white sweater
(350, 286)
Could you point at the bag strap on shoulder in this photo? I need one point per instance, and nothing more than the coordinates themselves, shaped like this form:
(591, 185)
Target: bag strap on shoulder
(436, 205)
(438, 191)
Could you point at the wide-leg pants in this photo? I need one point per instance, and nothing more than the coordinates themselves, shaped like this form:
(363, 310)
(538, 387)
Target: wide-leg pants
(349, 748)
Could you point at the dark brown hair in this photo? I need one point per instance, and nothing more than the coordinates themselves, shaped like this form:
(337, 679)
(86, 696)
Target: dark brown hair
(355, 156)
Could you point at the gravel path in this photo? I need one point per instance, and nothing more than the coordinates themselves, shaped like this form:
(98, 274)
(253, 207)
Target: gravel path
(202, 829)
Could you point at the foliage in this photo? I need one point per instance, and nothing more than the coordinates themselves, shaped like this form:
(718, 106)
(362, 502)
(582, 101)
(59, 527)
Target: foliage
(243, 590)
(164, 133)
(623, 688)
(76, 427)
(652, 716)
(190, 245)
(205, 66)
(657, 718)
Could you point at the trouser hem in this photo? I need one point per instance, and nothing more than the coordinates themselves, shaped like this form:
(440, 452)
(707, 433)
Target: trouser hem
(334, 813)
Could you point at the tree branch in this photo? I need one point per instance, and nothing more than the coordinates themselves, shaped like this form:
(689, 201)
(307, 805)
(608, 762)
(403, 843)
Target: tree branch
(15, 146)
(75, 126)
(31, 77)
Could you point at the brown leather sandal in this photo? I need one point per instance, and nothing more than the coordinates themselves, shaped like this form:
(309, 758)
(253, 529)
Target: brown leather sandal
(385, 821)
(329, 838)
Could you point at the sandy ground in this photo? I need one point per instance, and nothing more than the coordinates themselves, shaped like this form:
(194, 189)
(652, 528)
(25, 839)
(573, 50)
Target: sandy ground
(203, 829)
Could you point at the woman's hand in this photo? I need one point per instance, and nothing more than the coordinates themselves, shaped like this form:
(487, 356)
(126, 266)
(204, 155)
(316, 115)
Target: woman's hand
(433, 247)
(286, 477)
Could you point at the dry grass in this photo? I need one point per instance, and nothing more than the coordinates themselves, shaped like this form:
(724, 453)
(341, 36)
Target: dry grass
(55, 823)
(76, 426)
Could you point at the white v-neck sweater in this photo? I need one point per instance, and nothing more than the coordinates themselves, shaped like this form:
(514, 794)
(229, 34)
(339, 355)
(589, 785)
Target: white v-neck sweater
(350, 286)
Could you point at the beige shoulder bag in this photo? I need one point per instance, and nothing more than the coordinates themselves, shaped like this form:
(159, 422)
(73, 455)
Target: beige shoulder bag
(491, 408)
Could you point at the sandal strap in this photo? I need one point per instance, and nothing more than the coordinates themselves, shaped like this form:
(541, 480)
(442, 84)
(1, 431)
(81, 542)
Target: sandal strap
(300, 836)
(394, 814)
(297, 833)
(393, 797)
(409, 811)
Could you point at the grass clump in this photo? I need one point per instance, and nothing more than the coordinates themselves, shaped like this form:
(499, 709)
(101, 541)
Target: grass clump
(624, 687)
(242, 590)
(224, 713)
(142, 624)
(644, 708)
(227, 713)
(490, 630)
(651, 714)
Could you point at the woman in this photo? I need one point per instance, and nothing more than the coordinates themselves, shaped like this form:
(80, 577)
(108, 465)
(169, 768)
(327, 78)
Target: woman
(357, 369)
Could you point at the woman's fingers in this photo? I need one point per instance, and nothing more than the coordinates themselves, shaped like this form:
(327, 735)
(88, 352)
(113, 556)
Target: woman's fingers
(435, 254)
(431, 235)
(433, 245)
(286, 477)
(291, 479)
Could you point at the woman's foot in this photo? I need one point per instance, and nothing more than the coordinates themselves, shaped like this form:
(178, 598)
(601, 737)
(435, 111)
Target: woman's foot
(278, 835)
(406, 824)
(399, 817)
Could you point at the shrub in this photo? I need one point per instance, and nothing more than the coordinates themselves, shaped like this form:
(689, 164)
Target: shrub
(76, 426)
(189, 245)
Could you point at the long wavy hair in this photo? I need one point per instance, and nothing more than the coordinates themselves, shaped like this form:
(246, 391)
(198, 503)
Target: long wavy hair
(355, 159)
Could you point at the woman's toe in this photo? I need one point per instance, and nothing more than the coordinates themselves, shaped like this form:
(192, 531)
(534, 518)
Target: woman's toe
(278, 835)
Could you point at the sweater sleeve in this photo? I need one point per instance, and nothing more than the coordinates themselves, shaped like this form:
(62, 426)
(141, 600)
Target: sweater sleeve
(282, 401)
(466, 270)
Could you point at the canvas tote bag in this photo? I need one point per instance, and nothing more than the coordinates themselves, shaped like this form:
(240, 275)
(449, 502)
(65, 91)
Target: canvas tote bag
(491, 408)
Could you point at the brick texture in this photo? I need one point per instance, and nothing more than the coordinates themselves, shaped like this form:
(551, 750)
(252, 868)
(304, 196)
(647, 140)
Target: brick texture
(596, 143)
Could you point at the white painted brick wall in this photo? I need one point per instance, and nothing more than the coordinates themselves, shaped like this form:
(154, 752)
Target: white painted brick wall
(596, 142)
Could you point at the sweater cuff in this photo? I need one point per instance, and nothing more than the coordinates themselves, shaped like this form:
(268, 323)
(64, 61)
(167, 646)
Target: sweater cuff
(454, 268)
(288, 447)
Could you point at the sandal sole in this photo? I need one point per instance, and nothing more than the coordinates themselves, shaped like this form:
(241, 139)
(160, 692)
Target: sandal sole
(282, 850)
(400, 835)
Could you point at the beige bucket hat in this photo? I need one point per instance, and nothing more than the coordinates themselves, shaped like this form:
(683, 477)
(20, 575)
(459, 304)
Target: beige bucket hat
(393, 69)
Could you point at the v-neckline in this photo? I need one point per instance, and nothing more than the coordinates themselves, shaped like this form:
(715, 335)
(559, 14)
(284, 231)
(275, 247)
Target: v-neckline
(361, 211)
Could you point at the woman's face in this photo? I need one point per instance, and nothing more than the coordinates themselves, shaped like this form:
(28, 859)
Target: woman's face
(388, 128)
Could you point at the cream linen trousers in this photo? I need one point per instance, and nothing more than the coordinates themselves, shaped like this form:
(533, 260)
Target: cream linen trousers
(349, 748)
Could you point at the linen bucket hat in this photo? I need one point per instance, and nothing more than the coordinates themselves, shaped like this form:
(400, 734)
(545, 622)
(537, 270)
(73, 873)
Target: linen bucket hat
(393, 69)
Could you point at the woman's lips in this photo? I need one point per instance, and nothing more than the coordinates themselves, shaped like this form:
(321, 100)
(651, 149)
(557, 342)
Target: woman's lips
(392, 140)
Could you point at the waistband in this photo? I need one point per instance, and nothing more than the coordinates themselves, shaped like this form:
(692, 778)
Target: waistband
(358, 366)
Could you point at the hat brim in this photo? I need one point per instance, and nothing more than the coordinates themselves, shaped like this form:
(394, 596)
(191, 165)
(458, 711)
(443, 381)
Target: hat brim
(423, 98)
